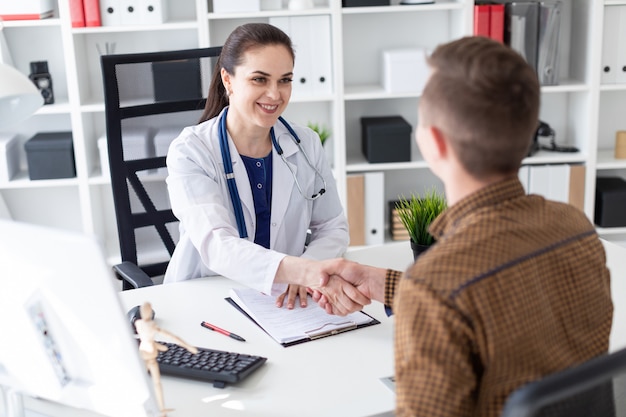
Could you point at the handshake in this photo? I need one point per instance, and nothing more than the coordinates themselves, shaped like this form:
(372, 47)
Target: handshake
(338, 285)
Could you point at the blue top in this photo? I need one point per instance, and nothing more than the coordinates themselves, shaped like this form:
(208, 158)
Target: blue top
(260, 176)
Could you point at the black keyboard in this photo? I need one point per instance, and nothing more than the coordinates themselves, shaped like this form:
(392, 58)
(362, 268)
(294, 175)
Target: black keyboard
(218, 366)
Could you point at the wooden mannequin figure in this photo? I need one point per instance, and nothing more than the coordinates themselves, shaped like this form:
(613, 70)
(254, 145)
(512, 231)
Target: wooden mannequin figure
(149, 349)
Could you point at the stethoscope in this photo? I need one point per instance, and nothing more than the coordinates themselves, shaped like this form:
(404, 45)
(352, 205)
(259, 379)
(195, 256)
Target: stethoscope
(230, 176)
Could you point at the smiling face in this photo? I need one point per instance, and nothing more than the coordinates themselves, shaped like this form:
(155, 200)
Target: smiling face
(260, 88)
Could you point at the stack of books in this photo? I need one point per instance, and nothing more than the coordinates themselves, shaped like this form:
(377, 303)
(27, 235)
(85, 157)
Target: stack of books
(396, 228)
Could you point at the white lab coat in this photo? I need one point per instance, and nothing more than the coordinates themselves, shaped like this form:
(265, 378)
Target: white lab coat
(209, 239)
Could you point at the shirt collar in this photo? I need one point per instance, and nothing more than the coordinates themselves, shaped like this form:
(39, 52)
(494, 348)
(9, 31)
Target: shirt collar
(490, 195)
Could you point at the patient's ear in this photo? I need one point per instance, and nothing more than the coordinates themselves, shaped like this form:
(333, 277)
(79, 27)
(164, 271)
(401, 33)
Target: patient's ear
(440, 142)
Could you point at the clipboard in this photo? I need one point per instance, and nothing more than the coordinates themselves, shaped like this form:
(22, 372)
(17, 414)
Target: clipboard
(317, 332)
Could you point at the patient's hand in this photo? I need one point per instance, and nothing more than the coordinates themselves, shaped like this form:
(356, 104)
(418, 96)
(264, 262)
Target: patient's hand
(339, 297)
(366, 280)
(293, 291)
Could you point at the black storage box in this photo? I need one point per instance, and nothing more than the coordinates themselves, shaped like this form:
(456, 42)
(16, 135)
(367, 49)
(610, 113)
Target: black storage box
(365, 3)
(50, 155)
(610, 202)
(177, 80)
(386, 139)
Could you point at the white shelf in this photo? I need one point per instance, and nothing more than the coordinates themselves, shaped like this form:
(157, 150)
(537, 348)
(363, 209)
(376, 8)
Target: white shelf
(269, 13)
(606, 160)
(22, 181)
(51, 21)
(182, 25)
(572, 107)
(547, 157)
(613, 87)
(439, 5)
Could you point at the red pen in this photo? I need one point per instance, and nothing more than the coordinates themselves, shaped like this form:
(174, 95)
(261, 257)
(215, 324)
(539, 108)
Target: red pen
(222, 331)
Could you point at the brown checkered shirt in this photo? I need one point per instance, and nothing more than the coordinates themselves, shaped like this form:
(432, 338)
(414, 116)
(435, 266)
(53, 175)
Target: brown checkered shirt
(515, 288)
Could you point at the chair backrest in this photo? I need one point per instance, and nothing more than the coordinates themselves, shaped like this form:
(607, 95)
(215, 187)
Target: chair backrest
(149, 98)
(595, 388)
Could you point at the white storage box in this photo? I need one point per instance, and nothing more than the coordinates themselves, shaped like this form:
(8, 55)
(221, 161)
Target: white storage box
(9, 156)
(162, 140)
(271, 4)
(26, 9)
(137, 143)
(232, 6)
(405, 70)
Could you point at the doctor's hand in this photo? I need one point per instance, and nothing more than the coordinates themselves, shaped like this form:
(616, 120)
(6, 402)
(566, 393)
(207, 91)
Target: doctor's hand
(293, 291)
(368, 280)
(316, 275)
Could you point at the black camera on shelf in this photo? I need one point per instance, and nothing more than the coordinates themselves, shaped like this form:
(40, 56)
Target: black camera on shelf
(41, 77)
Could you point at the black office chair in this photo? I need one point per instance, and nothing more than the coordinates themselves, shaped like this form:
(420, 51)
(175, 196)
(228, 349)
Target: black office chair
(149, 98)
(591, 389)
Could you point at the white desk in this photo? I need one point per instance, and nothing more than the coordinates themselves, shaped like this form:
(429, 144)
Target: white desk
(338, 375)
(333, 376)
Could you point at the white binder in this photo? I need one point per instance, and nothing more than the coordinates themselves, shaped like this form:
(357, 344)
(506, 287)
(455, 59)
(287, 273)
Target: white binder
(539, 180)
(610, 43)
(621, 47)
(310, 36)
(131, 14)
(559, 183)
(321, 54)
(551, 181)
(111, 12)
(548, 42)
(152, 12)
(374, 208)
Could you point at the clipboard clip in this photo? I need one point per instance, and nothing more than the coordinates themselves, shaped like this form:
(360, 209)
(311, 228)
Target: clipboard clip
(336, 328)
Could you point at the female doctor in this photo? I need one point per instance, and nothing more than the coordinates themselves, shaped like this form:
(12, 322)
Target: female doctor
(280, 182)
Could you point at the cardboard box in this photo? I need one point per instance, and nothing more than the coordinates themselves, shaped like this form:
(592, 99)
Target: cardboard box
(405, 70)
(386, 139)
(238, 6)
(610, 202)
(50, 155)
(9, 156)
(26, 9)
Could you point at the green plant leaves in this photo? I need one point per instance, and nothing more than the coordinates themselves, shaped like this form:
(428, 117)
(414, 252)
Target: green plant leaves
(417, 213)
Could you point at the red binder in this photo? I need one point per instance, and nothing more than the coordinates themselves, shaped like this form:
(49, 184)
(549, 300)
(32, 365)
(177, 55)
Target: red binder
(496, 30)
(482, 24)
(92, 12)
(77, 13)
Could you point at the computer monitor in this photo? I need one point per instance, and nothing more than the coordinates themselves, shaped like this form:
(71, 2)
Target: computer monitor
(65, 336)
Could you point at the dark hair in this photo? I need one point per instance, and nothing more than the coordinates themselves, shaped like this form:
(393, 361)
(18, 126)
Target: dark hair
(484, 97)
(242, 39)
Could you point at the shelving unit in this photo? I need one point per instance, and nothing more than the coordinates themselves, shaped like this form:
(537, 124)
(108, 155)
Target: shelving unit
(611, 102)
(577, 108)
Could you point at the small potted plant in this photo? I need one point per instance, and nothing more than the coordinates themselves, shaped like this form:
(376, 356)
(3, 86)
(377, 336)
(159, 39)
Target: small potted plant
(321, 130)
(417, 213)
